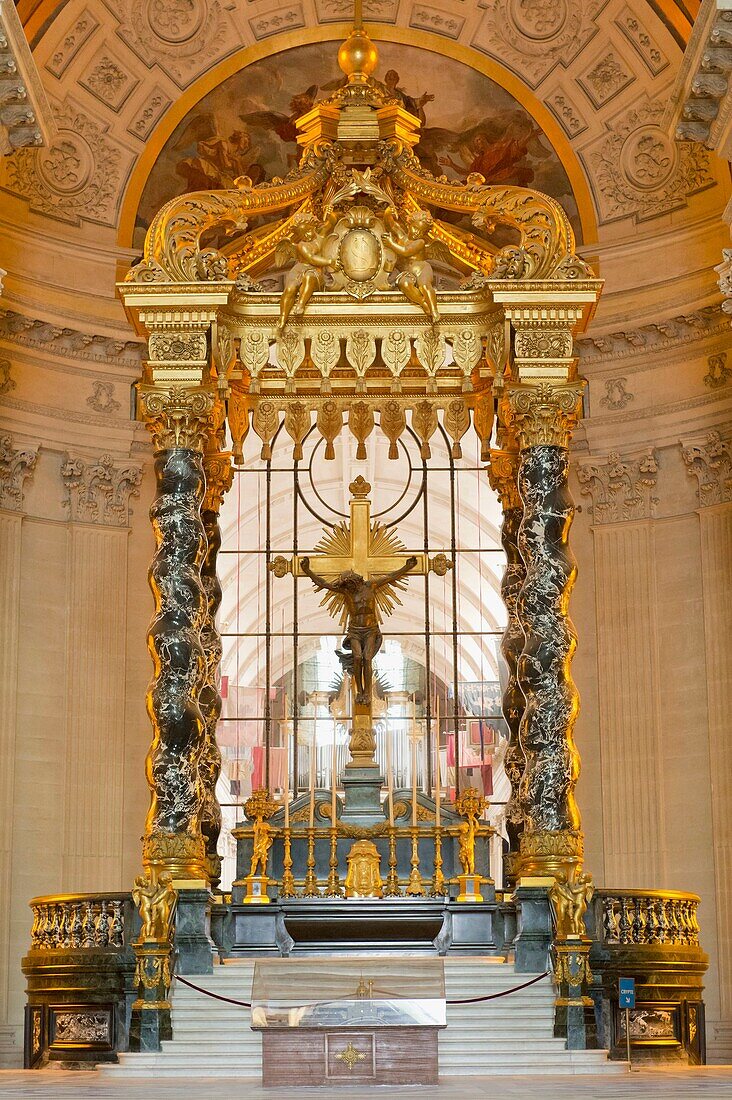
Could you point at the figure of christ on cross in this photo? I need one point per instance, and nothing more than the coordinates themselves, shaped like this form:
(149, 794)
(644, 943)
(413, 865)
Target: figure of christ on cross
(363, 637)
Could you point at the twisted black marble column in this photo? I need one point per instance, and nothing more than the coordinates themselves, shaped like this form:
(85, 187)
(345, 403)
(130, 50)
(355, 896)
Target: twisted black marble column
(547, 799)
(542, 416)
(173, 837)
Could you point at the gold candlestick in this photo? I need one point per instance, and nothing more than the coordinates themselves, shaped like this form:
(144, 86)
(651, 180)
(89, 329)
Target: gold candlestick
(288, 880)
(310, 888)
(438, 879)
(415, 888)
(334, 883)
(391, 890)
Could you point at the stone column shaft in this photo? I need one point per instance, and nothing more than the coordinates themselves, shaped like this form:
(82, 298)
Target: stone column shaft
(180, 421)
(542, 417)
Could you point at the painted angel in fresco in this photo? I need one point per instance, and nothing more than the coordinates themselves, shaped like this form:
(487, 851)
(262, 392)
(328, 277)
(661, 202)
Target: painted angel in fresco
(284, 125)
(414, 275)
(307, 245)
(218, 161)
(497, 160)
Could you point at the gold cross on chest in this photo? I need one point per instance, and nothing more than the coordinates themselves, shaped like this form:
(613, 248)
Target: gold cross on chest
(364, 547)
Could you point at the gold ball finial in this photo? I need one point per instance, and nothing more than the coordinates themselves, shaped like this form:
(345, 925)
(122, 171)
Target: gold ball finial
(358, 56)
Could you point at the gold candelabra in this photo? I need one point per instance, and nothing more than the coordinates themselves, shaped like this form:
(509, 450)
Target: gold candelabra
(437, 889)
(310, 888)
(288, 879)
(334, 883)
(391, 890)
(415, 887)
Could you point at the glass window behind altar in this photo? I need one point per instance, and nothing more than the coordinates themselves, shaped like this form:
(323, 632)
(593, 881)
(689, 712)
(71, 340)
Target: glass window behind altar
(439, 673)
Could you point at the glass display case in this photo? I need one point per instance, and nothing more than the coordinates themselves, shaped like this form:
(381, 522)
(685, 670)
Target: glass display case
(355, 992)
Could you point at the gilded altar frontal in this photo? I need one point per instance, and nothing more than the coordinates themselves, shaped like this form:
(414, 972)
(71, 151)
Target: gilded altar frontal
(365, 540)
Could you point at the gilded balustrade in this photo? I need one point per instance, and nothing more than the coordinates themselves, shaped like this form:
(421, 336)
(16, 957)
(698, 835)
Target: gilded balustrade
(80, 921)
(649, 917)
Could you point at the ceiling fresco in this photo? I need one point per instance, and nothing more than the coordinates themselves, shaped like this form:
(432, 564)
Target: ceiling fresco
(246, 126)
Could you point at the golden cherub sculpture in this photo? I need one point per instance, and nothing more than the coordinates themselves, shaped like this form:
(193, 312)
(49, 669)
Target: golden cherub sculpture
(470, 804)
(569, 897)
(258, 808)
(307, 244)
(156, 899)
(414, 275)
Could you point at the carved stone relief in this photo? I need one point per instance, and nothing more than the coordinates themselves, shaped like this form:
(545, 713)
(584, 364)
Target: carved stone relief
(284, 19)
(724, 271)
(25, 115)
(717, 371)
(82, 1027)
(616, 395)
(69, 342)
(70, 42)
(15, 466)
(99, 492)
(684, 328)
(431, 19)
(571, 119)
(711, 464)
(75, 179)
(605, 77)
(641, 41)
(106, 80)
(183, 37)
(637, 171)
(331, 11)
(621, 489)
(531, 37)
(153, 106)
(102, 398)
(6, 382)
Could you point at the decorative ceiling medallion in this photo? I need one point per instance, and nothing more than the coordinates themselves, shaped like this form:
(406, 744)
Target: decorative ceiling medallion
(538, 19)
(175, 21)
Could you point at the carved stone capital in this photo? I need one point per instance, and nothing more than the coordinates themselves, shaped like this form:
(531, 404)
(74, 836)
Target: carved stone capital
(503, 478)
(219, 477)
(99, 491)
(15, 466)
(545, 414)
(179, 416)
(621, 488)
(711, 464)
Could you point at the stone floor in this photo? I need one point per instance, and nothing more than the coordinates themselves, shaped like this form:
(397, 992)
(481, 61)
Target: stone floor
(713, 1082)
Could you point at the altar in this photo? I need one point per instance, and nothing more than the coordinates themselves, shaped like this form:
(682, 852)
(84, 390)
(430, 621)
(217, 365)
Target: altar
(376, 1023)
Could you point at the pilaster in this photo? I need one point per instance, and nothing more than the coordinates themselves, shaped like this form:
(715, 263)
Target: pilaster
(710, 461)
(16, 464)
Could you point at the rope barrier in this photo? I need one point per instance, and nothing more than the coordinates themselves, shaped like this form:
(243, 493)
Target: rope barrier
(466, 1001)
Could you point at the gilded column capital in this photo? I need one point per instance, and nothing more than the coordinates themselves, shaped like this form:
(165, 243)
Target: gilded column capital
(543, 415)
(503, 477)
(179, 416)
(219, 477)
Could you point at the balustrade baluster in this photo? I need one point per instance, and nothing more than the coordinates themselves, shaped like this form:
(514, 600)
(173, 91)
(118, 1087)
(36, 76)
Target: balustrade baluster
(76, 934)
(118, 929)
(673, 926)
(625, 922)
(651, 921)
(87, 925)
(101, 926)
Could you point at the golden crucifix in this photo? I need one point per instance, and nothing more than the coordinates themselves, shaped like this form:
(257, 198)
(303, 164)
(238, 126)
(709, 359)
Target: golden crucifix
(360, 566)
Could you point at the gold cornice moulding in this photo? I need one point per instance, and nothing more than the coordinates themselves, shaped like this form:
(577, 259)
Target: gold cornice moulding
(544, 414)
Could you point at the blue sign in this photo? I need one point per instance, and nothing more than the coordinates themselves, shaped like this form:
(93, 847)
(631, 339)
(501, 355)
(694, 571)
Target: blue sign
(626, 992)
